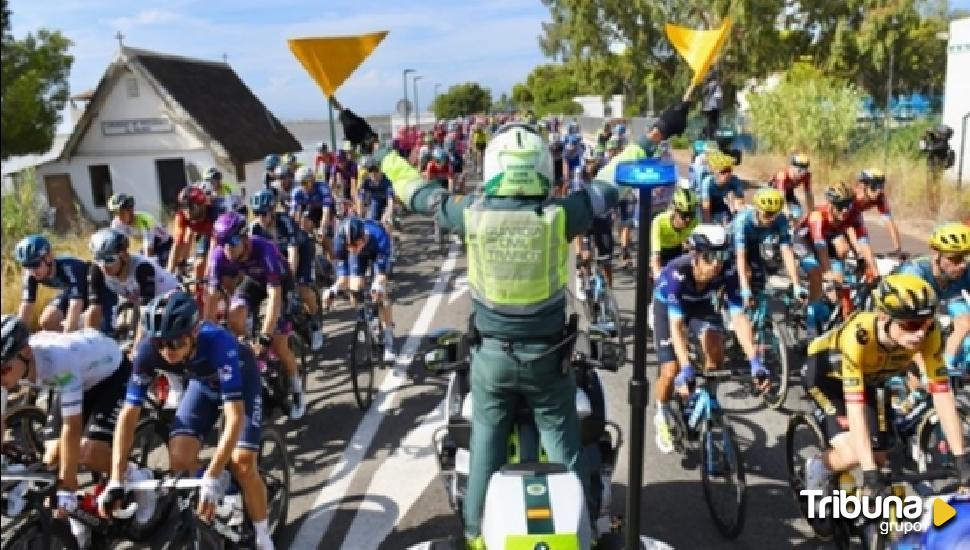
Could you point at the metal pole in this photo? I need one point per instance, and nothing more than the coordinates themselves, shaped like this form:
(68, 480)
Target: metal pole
(639, 387)
(436, 93)
(963, 150)
(407, 109)
(333, 129)
(417, 107)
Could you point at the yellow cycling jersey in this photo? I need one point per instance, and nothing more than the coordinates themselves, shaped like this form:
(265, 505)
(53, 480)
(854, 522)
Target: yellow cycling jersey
(665, 238)
(864, 361)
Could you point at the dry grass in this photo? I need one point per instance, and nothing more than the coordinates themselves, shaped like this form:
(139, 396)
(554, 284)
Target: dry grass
(11, 278)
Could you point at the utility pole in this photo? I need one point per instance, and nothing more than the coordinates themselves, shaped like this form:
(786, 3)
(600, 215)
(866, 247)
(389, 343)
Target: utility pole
(417, 106)
(407, 107)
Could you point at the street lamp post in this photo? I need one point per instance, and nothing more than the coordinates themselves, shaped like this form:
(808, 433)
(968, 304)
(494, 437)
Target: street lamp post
(417, 106)
(404, 78)
(435, 102)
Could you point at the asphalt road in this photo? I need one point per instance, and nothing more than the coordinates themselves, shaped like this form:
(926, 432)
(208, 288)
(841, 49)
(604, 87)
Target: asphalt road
(369, 480)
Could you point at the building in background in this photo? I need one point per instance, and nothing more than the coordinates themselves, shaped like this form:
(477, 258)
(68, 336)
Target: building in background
(155, 123)
(956, 98)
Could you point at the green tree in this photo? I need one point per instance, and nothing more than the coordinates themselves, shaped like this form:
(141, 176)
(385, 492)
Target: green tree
(462, 99)
(33, 88)
(807, 111)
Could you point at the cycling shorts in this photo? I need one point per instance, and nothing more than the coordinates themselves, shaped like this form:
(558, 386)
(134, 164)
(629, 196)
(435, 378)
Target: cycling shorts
(827, 393)
(163, 251)
(99, 409)
(201, 404)
(251, 293)
(356, 266)
(699, 319)
(375, 210)
(304, 265)
(601, 233)
(628, 212)
(315, 215)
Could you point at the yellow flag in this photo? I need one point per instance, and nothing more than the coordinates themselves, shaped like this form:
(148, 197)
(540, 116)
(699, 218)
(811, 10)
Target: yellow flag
(331, 59)
(698, 48)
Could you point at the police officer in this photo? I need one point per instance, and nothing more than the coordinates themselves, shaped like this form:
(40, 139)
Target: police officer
(517, 239)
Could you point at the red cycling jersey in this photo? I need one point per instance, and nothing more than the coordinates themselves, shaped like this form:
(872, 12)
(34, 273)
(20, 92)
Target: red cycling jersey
(822, 227)
(787, 184)
(863, 203)
(435, 170)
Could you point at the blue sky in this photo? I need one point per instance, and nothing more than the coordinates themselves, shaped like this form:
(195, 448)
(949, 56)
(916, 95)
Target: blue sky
(448, 42)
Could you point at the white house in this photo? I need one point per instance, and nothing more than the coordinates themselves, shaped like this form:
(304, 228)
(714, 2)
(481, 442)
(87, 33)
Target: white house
(956, 103)
(156, 122)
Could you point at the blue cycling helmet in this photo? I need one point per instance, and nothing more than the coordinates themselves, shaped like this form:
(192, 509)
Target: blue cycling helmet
(170, 315)
(31, 250)
(351, 229)
(620, 129)
(13, 337)
(228, 226)
(263, 201)
(271, 161)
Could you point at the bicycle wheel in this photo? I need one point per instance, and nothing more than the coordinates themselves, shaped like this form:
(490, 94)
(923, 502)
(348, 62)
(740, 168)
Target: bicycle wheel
(361, 365)
(35, 535)
(24, 425)
(611, 314)
(934, 450)
(194, 536)
(301, 350)
(722, 476)
(274, 468)
(804, 439)
(149, 449)
(778, 362)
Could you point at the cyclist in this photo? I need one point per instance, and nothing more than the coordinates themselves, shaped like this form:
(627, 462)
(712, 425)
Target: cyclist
(612, 148)
(194, 219)
(683, 304)
(669, 230)
(604, 134)
(214, 186)
(290, 161)
(126, 276)
(752, 227)
(829, 310)
(457, 164)
(870, 191)
(849, 363)
(221, 373)
(377, 196)
(698, 167)
(283, 184)
(155, 239)
(343, 174)
(311, 203)
(572, 155)
(945, 269)
(64, 273)
(89, 373)
(600, 233)
(438, 170)
(299, 250)
(794, 176)
(270, 163)
(360, 244)
(619, 134)
(722, 193)
(322, 160)
(480, 141)
(264, 274)
(830, 228)
(559, 180)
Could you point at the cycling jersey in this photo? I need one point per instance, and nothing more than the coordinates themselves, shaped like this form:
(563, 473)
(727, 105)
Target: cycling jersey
(344, 172)
(456, 162)
(152, 233)
(716, 195)
(377, 249)
(677, 289)
(311, 202)
(438, 170)
(787, 184)
(67, 274)
(748, 235)
(263, 264)
(951, 295)
(380, 190)
(202, 226)
(666, 240)
(74, 362)
(480, 137)
(285, 233)
(144, 281)
(863, 361)
(822, 227)
(881, 203)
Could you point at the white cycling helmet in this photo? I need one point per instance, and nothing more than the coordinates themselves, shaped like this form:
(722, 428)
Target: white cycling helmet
(303, 174)
(517, 163)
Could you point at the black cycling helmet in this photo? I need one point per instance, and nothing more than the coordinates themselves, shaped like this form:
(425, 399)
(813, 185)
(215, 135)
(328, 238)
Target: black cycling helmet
(263, 201)
(351, 229)
(31, 250)
(13, 337)
(107, 243)
(170, 315)
(120, 201)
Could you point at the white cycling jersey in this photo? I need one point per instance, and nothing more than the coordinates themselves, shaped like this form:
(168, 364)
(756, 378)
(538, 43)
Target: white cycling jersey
(130, 286)
(145, 226)
(74, 362)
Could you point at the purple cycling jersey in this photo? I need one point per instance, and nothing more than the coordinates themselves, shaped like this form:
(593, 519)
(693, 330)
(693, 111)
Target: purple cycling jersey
(263, 263)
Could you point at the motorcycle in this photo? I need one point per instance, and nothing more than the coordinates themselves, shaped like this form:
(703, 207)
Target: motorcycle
(513, 491)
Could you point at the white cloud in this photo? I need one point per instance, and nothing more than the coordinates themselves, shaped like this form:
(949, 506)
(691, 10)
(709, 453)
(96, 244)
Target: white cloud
(147, 18)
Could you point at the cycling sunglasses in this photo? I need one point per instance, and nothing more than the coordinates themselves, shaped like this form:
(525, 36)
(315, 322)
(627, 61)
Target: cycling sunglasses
(829, 286)
(876, 185)
(711, 256)
(110, 259)
(958, 259)
(170, 343)
(686, 216)
(233, 240)
(844, 205)
(914, 325)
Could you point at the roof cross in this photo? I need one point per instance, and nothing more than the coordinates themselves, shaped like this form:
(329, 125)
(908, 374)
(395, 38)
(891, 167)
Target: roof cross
(119, 37)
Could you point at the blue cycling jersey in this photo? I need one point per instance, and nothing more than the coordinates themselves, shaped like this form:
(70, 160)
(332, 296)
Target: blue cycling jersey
(215, 362)
(319, 196)
(377, 248)
(284, 231)
(677, 288)
(716, 194)
(951, 294)
(378, 191)
(748, 234)
(68, 274)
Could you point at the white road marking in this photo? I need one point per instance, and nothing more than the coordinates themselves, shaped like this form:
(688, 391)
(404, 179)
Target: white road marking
(330, 498)
(460, 286)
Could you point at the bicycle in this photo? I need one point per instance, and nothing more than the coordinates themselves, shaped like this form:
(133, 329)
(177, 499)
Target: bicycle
(702, 419)
(366, 349)
(26, 492)
(599, 302)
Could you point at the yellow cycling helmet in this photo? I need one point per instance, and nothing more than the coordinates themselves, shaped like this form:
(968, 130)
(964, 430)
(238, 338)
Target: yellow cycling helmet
(872, 176)
(951, 238)
(684, 200)
(839, 194)
(769, 200)
(719, 161)
(906, 296)
(800, 160)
